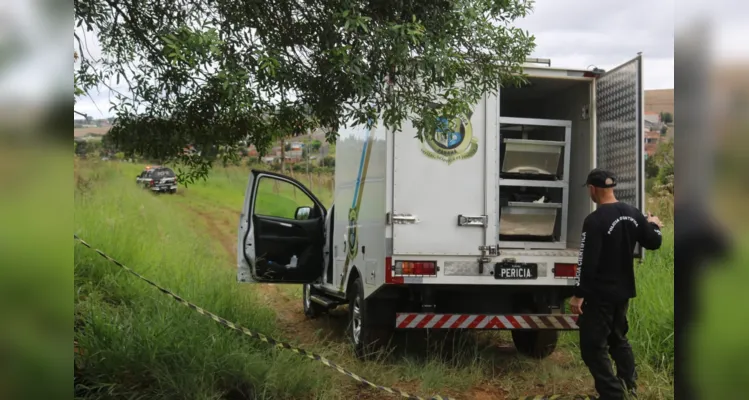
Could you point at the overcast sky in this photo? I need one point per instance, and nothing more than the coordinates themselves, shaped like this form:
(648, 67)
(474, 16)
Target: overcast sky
(577, 34)
(606, 33)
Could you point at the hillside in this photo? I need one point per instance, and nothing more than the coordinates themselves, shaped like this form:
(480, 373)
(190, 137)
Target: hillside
(100, 130)
(659, 100)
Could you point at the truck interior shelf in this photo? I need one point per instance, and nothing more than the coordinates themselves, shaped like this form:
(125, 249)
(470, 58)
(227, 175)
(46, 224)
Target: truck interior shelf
(533, 172)
(530, 214)
(528, 220)
(531, 159)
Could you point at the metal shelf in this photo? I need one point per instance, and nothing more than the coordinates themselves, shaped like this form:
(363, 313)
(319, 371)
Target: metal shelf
(509, 245)
(535, 122)
(533, 183)
(562, 184)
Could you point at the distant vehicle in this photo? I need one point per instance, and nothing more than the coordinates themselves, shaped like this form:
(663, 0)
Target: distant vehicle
(158, 179)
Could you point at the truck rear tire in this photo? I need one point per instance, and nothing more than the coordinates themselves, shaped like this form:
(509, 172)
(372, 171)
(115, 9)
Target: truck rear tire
(365, 330)
(535, 344)
(311, 309)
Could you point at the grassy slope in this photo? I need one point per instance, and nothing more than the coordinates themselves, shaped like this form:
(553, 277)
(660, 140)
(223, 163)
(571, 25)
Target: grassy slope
(137, 341)
(480, 362)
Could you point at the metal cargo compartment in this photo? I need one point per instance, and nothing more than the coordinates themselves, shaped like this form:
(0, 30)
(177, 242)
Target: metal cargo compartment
(528, 219)
(531, 159)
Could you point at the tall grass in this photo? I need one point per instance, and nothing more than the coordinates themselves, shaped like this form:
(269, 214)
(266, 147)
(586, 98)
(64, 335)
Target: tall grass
(137, 342)
(134, 342)
(651, 315)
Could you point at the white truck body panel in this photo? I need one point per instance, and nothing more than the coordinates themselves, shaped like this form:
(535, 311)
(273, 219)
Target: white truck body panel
(436, 191)
(396, 198)
(361, 185)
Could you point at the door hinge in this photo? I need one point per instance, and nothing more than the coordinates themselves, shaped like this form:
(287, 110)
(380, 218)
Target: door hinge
(486, 252)
(489, 250)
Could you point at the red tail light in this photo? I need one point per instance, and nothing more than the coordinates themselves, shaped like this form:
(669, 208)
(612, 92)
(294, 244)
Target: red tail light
(420, 268)
(389, 278)
(151, 183)
(565, 270)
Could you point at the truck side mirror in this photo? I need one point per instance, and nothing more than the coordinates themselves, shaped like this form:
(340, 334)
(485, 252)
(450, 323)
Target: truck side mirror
(302, 213)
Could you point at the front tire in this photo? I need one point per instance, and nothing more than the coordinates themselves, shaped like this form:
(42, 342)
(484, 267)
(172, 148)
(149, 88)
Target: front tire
(311, 309)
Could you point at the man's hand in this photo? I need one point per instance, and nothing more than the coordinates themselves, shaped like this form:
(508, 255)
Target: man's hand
(576, 304)
(655, 220)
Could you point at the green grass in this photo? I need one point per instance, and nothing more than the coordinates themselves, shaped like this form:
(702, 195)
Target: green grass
(719, 341)
(651, 314)
(137, 342)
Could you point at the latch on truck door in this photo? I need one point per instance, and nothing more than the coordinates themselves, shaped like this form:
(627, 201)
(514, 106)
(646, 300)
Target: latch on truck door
(391, 219)
(486, 251)
(469, 220)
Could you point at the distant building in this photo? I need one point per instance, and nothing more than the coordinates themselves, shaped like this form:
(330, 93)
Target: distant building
(652, 140)
(653, 122)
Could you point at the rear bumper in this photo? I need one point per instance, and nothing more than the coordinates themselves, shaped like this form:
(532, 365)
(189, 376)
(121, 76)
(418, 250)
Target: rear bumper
(163, 188)
(562, 322)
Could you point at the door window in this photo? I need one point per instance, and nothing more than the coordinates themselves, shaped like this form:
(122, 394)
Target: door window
(280, 199)
(288, 232)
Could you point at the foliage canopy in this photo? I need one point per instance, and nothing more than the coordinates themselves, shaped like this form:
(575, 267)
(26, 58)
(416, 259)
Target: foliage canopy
(217, 72)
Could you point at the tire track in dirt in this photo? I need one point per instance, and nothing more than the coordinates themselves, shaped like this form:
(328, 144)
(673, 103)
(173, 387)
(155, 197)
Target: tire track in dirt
(221, 226)
(329, 329)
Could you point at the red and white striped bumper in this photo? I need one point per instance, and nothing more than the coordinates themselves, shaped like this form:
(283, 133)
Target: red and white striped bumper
(479, 321)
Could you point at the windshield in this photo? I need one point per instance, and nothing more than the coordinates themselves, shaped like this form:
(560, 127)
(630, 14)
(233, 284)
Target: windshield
(162, 173)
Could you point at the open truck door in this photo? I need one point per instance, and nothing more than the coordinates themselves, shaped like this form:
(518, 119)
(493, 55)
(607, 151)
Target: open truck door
(619, 131)
(281, 231)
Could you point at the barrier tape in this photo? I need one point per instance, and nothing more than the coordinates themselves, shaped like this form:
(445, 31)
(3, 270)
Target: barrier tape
(284, 345)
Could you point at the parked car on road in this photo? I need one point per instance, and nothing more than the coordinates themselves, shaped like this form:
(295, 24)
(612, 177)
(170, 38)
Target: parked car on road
(158, 179)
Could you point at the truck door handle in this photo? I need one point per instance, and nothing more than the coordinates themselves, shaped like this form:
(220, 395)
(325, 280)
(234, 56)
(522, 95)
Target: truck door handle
(404, 219)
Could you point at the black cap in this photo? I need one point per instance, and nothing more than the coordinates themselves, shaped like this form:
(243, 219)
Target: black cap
(601, 178)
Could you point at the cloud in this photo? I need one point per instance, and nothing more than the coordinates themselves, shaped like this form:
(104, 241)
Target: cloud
(580, 33)
(574, 34)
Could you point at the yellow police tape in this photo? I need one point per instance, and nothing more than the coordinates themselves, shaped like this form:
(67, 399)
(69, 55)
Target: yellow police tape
(283, 345)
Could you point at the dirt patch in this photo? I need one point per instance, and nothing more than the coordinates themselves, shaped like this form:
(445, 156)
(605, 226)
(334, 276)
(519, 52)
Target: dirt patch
(217, 229)
(511, 376)
(288, 307)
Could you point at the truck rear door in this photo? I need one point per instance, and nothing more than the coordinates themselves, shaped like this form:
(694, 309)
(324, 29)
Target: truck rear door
(619, 130)
(441, 185)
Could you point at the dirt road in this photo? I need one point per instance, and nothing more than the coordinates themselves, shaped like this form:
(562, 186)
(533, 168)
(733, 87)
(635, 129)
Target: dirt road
(560, 373)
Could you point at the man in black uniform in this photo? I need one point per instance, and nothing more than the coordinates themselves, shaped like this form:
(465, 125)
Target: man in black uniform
(605, 283)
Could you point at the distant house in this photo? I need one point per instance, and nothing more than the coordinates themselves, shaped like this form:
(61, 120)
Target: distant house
(652, 140)
(293, 155)
(653, 122)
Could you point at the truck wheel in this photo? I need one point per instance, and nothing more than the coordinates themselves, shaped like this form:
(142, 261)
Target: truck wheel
(535, 344)
(365, 332)
(311, 309)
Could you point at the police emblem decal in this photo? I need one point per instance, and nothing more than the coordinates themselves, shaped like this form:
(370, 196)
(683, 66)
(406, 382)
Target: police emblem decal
(353, 240)
(451, 140)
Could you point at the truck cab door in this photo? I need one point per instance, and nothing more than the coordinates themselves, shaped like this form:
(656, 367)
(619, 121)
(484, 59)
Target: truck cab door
(281, 233)
(619, 137)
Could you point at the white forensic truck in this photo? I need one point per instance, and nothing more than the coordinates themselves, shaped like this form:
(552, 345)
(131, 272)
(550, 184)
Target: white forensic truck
(476, 227)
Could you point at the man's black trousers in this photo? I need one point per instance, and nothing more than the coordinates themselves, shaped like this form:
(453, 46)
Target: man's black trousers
(603, 332)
